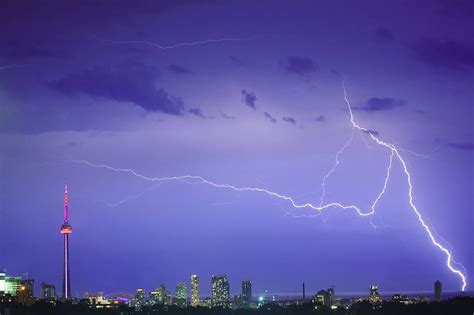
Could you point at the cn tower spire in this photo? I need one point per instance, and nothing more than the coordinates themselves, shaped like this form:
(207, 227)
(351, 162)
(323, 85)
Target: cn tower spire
(65, 204)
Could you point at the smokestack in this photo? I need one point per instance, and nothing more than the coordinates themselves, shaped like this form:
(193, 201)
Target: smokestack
(304, 293)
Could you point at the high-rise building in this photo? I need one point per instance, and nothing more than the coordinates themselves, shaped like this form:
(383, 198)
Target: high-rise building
(321, 297)
(2, 283)
(246, 293)
(66, 229)
(140, 299)
(48, 291)
(195, 300)
(153, 297)
(160, 294)
(11, 284)
(220, 291)
(438, 287)
(331, 298)
(181, 294)
(25, 292)
(374, 296)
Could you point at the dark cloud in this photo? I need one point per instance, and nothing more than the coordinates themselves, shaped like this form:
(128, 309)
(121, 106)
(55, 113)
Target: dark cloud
(300, 65)
(270, 117)
(179, 69)
(249, 99)
(225, 116)
(320, 118)
(238, 61)
(197, 112)
(376, 104)
(457, 8)
(445, 54)
(467, 146)
(371, 132)
(15, 49)
(290, 120)
(126, 82)
(383, 34)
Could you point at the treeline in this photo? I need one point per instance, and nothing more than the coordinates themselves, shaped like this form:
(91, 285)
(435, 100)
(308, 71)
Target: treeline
(454, 306)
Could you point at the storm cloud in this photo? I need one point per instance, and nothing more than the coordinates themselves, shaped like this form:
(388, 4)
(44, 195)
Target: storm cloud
(126, 82)
(376, 104)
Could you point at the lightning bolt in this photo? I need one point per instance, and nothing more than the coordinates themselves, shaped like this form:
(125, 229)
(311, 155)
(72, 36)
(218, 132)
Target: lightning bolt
(159, 46)
(12, 66)
(395, 151)
(394, 154)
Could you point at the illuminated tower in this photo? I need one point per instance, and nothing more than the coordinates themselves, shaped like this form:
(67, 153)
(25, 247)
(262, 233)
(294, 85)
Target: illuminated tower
(66, 229)
(195, 290)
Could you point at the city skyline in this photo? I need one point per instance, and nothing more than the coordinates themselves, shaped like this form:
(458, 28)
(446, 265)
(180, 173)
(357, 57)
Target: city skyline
(328, 144)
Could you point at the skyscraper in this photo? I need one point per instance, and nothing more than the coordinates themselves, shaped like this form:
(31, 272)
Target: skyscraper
(25, 292)
(48, 291)
(181, 294)
(10, 284)
(438, 290)
(195, 301)
(246, 293)
(374, 296)
(220, 291)
(66, 229)
(331, 298)
(140, 299)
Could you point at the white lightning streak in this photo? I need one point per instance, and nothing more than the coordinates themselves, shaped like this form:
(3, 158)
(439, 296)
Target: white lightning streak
(156, 45)
(193, 179)
(341, 150)
(12, 66)
(394, 152)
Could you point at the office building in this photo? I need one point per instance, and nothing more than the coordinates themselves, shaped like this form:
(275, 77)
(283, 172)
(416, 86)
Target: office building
(220, 291)
(438, 290)
(25, 292)
(140, 299)
(181, 294)
(48, 291)
(374, 296)
(195, 300)
(246, 298)
(10, 285)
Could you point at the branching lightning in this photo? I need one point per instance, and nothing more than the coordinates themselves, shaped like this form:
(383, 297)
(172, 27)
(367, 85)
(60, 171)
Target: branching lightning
(452, 265)
(163, 47)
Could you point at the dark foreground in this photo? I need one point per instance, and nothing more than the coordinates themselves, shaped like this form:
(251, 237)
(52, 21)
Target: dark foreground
(453, 306)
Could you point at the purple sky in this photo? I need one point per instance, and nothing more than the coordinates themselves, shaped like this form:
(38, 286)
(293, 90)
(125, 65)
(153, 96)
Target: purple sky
(139, 85)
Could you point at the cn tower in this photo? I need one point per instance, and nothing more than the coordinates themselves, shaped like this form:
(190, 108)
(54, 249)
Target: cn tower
(66, 229)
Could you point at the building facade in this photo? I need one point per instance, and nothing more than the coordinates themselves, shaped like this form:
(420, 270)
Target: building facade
(181, 294)
(374, 296)
(246, 293)
(195, 300)
(220, 291)
(48, 291)
(438, 290)
(11, 285)
(25, 292)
